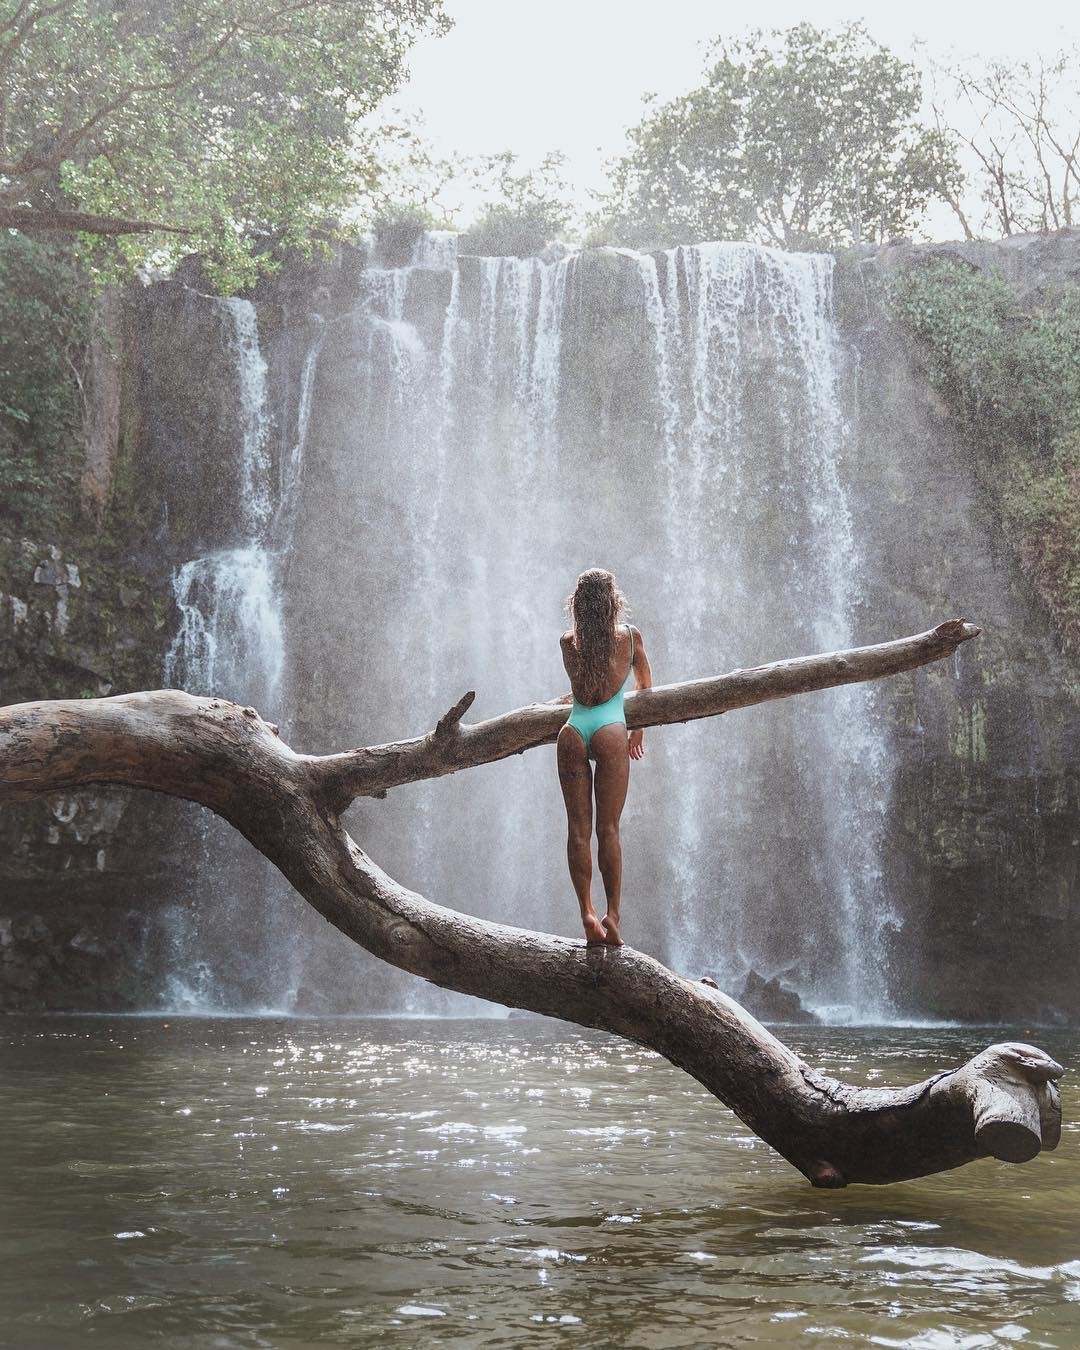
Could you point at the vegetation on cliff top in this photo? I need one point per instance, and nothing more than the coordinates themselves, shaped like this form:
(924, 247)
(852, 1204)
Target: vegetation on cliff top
(1012, 379)
(815, 142)
(235, 122)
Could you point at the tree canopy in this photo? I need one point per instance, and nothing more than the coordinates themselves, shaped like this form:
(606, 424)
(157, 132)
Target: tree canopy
(801, 139)
(208, 125)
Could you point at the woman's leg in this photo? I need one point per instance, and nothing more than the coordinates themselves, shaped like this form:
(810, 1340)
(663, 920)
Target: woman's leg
(612, 776)
(575, 777)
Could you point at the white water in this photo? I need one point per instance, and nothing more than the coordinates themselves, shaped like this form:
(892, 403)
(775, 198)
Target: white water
(231, 637)
(496, 447)
(231, 642)
(754, 841)
(713, 309)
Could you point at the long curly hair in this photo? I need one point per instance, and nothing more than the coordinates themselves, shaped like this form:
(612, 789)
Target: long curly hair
(595, 608)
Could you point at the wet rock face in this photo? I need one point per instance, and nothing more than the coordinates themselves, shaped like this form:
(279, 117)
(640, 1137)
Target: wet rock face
(1036, 266)
(52, 963)
(76, 624)
(983, 851)
(82, 874)
(184, 401)
(772, 1001)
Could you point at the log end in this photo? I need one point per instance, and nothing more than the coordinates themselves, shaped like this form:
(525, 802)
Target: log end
(1010, 1141)
(957, 630)
(1017, 1107)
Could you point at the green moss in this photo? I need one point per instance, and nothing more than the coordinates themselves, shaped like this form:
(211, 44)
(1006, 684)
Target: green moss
(1012, 379)
(969, 737)
(45, 318)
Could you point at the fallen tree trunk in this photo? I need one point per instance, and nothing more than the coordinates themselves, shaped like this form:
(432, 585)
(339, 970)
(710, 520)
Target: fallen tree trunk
(1004, 1103)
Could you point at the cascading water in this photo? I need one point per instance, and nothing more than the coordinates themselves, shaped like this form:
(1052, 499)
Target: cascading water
(231, 642)
(761, 553)
(484, 429)
(492, 438)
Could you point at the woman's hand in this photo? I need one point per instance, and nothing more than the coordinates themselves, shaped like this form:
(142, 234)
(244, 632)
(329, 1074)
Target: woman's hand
(637, 743)
(563, 698)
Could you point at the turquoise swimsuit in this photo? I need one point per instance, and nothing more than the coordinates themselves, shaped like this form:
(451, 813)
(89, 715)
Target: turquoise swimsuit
(587, 719)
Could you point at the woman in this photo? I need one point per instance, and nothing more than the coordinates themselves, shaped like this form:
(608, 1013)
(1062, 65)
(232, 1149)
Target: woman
(599, 653)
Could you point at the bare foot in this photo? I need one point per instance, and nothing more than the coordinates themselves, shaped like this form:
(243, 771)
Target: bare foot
(612, 935)
(595, 933)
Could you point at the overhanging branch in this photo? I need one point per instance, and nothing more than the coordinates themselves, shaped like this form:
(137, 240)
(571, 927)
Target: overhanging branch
(31, 220)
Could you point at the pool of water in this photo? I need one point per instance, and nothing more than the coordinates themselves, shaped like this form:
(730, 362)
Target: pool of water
(289, 1183)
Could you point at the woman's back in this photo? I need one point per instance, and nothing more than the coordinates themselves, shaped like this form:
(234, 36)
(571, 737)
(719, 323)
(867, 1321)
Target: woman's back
(620, 664)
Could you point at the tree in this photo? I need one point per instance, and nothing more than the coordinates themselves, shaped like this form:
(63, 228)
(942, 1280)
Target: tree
(524, 211)
(1004, 1103)
(810, 139)
(1019, 126)
(221, 123)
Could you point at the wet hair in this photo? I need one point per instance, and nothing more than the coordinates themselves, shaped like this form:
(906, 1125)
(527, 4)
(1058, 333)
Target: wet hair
(595, 608)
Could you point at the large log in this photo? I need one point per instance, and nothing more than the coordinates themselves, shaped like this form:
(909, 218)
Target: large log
(1003, 1103)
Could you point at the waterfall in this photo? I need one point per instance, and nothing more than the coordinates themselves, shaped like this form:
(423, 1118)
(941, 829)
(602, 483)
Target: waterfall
(231, 642)
(483, 430)
(679, 417)
(230, 630)
(744, 340)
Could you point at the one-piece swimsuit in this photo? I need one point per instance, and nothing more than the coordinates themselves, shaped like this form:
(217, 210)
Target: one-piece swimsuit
(587, 719)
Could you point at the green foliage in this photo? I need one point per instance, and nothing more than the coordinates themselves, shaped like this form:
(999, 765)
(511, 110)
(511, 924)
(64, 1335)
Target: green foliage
(45, 316)
(1013, 379)
(811, 139)
(1042, 504)
(525, 211)
(235, 120)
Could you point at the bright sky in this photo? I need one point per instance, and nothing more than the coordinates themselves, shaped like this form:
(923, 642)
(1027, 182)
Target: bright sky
(569, 74)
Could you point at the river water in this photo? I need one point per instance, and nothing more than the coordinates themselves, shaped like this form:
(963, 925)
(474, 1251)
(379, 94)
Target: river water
(280, 1182)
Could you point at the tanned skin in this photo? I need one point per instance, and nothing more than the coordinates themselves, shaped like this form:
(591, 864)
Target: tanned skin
(612, 748)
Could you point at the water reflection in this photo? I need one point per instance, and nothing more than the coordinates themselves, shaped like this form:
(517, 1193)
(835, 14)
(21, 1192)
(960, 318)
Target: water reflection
(233, 1182)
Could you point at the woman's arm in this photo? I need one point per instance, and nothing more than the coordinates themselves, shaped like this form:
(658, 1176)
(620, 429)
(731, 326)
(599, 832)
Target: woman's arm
(642, 680)
(564, 647)
(641, 668)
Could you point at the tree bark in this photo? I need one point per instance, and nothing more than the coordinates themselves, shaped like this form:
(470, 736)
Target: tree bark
(1004, 1103)
(32, 220)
